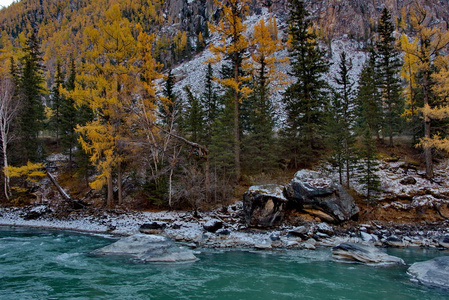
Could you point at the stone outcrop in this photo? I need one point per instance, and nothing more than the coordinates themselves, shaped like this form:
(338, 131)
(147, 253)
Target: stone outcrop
(264, 205)
(147, 248)
(434, 272)
(363, 254)
(322, 197)
(308, 191)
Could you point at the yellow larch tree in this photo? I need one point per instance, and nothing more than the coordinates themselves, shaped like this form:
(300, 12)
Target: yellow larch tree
(106, 85)
(430, 41)
(232, 45)
(265, 44)
(440, 112)
(408, 73)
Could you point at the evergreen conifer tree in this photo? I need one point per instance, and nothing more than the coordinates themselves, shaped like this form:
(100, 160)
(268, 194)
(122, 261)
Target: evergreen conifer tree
(209, 103)
(31, 91)
(342, 119)
(369, 165)
(69, 115)
(305, 99)
(56, 101)
(169, 106)
(369, 103)
(389, 66)
(193, 122)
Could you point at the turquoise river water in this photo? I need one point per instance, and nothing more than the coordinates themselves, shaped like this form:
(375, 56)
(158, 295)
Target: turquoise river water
(39, 264)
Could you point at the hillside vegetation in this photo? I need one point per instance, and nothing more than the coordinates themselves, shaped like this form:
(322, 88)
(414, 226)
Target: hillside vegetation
(91, 90)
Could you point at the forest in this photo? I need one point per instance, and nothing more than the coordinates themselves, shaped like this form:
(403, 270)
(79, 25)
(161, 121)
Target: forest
(94, 80)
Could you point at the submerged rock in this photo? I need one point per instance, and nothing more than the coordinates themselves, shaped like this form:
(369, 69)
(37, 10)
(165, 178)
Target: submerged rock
(434, 272)
(364, 254)
(147, 248)
(264, 205)
(321, 197)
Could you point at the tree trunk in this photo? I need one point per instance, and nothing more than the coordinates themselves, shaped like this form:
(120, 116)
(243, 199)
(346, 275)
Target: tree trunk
(236, 126)
(207, 179)
(110, 197)
(427, 149)
(119, 184)
(170, 187)
(5, 168)
(61, 191)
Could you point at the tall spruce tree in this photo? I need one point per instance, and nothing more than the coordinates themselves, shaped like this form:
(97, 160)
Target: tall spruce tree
(306, 98)
(69, 116)
(369, 103)
(369, 165)
(389, 66)
(56, 102)
(31, 90)
(209, 103)
(342, 120)
(168, 108)
(193, 122)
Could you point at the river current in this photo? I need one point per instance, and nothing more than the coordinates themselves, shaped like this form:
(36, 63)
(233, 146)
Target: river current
(40, 264)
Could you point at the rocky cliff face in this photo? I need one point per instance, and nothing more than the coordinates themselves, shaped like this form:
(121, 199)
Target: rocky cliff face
(337, 18)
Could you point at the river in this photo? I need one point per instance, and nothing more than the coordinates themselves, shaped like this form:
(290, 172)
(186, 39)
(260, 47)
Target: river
(44, 264)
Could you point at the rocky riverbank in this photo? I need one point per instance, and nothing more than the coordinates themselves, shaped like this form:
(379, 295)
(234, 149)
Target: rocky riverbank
(226, 228)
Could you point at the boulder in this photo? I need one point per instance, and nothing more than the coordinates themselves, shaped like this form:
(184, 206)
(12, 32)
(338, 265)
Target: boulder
(212, 225)
(264, 205)
(393, 241)
(364, 254)
(147, 248)
(36, 212)
(444, 241)
(325, 228)
(152, 228)
(408, 181)
(302, 232)
(434, 272)
(322, 197)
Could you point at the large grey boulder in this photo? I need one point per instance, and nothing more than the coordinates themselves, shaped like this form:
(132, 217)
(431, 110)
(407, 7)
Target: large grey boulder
(319, 196)
(147, 248)
(264, 205)
(434, 272)
(364, 254)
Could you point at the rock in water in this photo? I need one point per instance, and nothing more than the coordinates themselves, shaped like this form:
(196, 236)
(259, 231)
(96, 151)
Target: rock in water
(148, 248)
(264, 205)
(364, 254)
(434, 272)
(322, 197)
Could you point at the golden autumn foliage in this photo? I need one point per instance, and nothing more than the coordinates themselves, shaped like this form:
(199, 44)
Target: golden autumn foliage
(232, 46)
(105, 84)
(117, 82)
(265, 44)
(408, 73)
(440, 112)
(31, 172)
(430, 39)
(232, 41)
